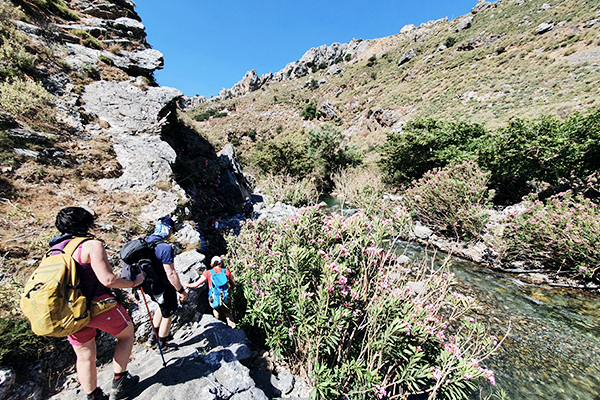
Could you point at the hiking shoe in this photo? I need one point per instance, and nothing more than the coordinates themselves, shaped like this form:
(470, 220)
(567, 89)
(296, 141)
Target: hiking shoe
(121, 386)
(99, 396)
(167, 347)
(151, 342)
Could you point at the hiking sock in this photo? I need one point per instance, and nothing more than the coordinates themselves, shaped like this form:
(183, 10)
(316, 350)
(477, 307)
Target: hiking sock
(119, 375)
(96, 394)
(162, 342)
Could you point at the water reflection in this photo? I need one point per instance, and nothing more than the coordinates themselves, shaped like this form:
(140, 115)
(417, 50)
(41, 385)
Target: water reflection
(553, 351)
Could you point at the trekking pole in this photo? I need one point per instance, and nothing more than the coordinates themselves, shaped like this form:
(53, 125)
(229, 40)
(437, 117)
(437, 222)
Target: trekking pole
(153, 328)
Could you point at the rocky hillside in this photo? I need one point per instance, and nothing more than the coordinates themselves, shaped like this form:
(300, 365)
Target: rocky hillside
(82, 121)
(506, 59)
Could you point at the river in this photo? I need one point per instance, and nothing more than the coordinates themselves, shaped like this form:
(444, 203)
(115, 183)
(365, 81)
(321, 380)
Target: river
(553, 350)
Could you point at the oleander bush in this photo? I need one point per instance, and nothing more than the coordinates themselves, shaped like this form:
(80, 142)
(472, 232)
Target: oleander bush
(452, 200)
(560, 233)
(326, 296)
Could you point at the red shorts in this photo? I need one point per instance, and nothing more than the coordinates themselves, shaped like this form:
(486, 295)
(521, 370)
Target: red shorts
(113, 322)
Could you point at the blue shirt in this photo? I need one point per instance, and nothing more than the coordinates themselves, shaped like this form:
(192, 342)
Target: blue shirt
(164, 251)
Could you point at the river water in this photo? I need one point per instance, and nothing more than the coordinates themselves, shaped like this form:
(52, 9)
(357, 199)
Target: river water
(553, 350)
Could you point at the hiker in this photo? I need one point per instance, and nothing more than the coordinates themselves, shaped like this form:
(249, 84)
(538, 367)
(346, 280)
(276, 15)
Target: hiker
(248, 208)
(97, 278)
(173, 289)
(216, 265)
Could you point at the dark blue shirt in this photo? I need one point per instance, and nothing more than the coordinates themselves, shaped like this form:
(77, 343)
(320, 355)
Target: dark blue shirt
(164, 251)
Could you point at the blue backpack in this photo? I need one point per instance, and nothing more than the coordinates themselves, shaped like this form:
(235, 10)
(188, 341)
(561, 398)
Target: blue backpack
(218, 294)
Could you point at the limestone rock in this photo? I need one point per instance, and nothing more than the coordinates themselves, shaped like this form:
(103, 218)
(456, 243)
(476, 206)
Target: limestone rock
(127, 108)
(334, 70)
(129, 25)
(422, 232)
(141, 62)
(407, 56)
(233, 185)
(385, 118)
(544, 27)
(465, 23)
(325, 111)
(7, 380)
(408, 28)
(482, 5)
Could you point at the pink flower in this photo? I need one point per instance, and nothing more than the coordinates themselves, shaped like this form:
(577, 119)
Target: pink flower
(437, 374)
(380, 391)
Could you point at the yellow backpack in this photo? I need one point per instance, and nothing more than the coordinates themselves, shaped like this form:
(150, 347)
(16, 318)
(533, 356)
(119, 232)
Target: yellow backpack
(52, 298)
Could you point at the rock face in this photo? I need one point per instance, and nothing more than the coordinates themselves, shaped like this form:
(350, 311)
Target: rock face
(206, 365)
(127, 108)
(233, 185)
(326, 55)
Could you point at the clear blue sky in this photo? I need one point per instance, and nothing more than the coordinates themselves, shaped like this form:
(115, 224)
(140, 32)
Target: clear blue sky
(208, 46)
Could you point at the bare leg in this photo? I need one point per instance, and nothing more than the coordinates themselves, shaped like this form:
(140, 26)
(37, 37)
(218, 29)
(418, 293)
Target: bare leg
(229, 320)
(123, 349)
(86, 365)
(163, 324)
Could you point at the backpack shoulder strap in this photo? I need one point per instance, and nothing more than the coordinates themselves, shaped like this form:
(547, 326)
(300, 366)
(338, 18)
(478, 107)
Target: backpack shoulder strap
(155, 243)
(73, 244)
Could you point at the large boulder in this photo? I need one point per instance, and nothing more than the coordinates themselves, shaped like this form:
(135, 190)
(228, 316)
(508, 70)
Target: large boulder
(127, 108)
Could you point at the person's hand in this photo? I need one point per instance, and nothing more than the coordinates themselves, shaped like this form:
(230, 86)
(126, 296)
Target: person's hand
(183, 296)
(139, 279)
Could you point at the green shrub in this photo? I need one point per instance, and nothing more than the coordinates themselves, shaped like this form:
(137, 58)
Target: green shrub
(452, 200)
(106, 60)
(450, 41)
(314, 69)
(18, 344)
(547, 150)
(285, 156)
(348, 57)
(321, 292)
(426, 144)
(251, 134)
(310, 111)
(561, 234)
(87, 40)
(208, 114)
(323, 66)
(279, 129)
(26, 98)
(372, 61)
(374, 75)
(59, 8)
(329, 154)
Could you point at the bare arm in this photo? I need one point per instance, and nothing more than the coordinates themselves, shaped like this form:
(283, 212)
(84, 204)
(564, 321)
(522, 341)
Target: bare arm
(173, 278)
(196, 284)
(93, 252)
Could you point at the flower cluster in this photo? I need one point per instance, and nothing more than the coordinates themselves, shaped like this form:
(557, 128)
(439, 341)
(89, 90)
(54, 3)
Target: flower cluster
(316, 283)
